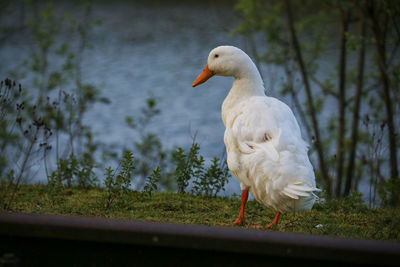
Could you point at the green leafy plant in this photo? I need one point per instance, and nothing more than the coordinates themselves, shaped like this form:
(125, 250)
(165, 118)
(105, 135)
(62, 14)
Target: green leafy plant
(188, 165)
(190, 168)
(212, 180)
(152, 180)
(73, 171)
(117, 182)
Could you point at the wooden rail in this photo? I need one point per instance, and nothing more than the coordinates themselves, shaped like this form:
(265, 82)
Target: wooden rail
(55, 240)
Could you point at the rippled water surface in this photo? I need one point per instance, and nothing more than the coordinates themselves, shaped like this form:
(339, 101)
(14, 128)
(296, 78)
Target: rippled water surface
(142, 50)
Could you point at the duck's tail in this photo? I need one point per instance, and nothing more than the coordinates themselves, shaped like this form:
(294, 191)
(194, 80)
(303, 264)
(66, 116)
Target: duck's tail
(302, 196)
(298, 190)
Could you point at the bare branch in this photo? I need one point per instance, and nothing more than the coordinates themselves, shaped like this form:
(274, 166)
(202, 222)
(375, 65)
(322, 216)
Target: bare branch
(324, 89)
(356, 111)
(310, 103)
(341, 100)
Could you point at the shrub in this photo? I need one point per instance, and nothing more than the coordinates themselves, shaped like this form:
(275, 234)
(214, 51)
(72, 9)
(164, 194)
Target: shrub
(190, 167)
(213, 180)
(187, 166)
(72, 171)
(118, 184)
(152, 181)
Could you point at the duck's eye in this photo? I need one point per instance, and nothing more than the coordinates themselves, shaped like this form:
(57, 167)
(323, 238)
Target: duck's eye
(216, 55)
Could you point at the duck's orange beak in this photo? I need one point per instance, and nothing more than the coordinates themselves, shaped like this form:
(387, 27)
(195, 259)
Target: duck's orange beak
(204, 76)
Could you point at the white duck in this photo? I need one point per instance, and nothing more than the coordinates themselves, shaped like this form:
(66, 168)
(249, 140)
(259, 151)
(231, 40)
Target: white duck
(265, 150)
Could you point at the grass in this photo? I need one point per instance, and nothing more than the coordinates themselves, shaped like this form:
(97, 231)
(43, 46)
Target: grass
(343, 218)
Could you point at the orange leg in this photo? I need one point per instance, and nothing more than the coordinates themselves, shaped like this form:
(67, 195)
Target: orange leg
(274, 222)
(240, 219)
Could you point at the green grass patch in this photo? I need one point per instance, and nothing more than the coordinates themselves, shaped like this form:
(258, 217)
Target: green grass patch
(343, 218)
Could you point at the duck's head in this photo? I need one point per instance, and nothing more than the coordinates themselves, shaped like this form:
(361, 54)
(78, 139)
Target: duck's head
(226, 61)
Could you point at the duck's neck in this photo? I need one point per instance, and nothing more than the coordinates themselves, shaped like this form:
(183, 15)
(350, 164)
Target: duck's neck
(244, 86)
(247, 82)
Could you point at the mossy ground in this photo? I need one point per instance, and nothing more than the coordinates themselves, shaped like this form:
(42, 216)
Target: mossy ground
(344, 218)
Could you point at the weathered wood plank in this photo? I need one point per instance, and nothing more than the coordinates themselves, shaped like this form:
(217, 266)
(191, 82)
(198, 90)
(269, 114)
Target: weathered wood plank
(72, 240)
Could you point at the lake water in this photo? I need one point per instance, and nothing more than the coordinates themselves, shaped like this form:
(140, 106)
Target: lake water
(141, 50)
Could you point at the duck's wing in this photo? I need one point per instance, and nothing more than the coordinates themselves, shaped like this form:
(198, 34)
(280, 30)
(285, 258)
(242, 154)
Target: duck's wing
(267, 124)
(268, 129)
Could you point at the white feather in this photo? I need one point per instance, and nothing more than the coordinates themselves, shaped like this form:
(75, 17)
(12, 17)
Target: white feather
(290, 193)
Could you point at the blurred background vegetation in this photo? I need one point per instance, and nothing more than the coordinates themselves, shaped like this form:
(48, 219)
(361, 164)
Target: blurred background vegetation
(336, 63)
